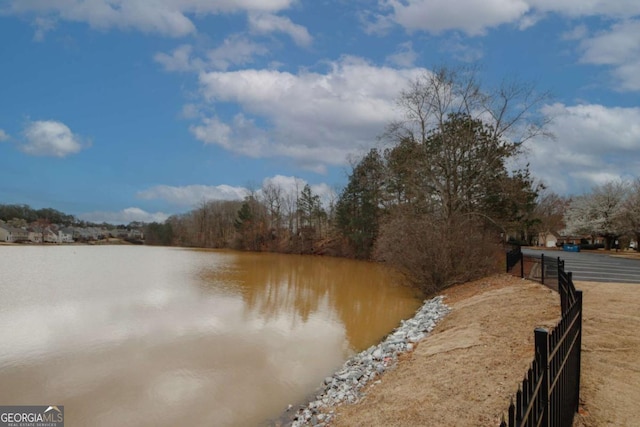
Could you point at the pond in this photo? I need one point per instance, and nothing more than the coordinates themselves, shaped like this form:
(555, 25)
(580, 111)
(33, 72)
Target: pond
(141, 336)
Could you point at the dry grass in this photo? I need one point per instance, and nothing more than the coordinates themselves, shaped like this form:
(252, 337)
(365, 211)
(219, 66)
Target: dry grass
(466, 371)
(610, 388)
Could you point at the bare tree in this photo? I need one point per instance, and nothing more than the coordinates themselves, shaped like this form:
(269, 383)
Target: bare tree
(549, 210)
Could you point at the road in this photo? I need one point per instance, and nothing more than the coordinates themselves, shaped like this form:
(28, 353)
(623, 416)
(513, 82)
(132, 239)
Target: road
(595, 267)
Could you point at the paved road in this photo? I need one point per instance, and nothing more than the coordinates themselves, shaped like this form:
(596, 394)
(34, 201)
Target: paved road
(594, 267)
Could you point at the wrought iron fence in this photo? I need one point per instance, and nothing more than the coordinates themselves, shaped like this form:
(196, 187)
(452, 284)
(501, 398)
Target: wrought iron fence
(549, 394)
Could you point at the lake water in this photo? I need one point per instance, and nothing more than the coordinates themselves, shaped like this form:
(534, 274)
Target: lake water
(147, 336)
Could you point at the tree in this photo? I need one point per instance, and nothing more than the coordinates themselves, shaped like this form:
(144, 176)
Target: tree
(158, 234)
(359, 206)
(631, 212)
(550, 210)
(446, 177)
(250, 224)
(599, 213)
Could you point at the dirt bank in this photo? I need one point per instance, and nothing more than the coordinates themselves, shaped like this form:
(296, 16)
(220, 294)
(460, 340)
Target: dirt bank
(466, 371)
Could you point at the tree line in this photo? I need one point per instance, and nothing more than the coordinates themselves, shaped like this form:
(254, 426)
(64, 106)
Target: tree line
(610, 210)
(435, 199)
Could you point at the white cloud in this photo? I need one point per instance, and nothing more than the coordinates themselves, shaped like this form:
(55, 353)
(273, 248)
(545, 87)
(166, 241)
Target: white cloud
(405, 56)
(235, 50)
(593, 144)
(577, 33)
(124, 216)
(314, 118)
(618, 47)
(42, 25)
(179, 59)
(50, 138)
(265, 23)
(167, 17)
(191, 195)
(461, 50)
(3, 136)
(581, 8)
(475, 17)
(290, 185)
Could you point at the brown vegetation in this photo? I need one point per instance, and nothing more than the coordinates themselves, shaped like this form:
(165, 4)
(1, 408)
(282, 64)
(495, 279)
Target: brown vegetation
(465, 372)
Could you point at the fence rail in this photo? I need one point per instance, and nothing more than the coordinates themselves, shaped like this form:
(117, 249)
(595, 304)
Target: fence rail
(549, 394)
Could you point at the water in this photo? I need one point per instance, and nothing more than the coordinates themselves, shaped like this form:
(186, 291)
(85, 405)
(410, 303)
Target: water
(141, 336)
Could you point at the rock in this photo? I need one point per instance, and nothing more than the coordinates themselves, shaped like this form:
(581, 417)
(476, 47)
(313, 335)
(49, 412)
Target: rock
(345, 384)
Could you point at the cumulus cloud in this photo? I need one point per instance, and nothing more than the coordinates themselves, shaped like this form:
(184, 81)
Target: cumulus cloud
(315, 118)
(265, 23)
(180, 59)
(167, 17)
(233, 51)
(191, 195)
(618, 47)
(50, 138)
(405, 56)
(593, 144)
(124, 216)
(475, 17)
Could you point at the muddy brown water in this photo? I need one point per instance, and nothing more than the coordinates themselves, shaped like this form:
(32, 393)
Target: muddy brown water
(142, 336)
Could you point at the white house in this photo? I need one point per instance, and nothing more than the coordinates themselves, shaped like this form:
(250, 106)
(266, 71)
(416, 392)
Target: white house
(548, 239)
(6, 234)
(50, 236)
(12, 234)
(65, 235)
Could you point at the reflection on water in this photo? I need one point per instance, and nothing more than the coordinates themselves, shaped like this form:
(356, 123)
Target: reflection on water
(139, 336)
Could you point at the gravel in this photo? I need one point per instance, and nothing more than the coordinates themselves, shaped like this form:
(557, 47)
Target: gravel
(345, 386)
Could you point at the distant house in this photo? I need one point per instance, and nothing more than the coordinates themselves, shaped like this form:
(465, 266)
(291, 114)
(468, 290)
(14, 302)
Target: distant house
(49, 236)
(12, 234)
(548, 239)
(35, 235)
(65, 235)
(6, 234)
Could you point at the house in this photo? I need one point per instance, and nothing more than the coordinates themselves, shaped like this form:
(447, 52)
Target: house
(49, 236)
(65, 235)
(12, 234)
(6, 235)
(35, 235)
(548, 239)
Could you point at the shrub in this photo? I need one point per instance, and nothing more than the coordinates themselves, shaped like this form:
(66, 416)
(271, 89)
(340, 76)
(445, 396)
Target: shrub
(435, 254)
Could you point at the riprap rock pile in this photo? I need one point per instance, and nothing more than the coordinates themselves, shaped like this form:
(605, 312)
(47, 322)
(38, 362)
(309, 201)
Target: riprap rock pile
(360, 369)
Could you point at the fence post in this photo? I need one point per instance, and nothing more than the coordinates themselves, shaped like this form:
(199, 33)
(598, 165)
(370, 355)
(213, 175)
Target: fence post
(579, 344)
(542, 349)
(542, 268)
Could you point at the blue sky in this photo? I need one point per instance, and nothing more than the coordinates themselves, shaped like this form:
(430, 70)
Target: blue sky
(124, 110)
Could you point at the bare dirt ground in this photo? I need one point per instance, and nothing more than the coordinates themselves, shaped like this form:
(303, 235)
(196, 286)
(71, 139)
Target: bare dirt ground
(466, 371)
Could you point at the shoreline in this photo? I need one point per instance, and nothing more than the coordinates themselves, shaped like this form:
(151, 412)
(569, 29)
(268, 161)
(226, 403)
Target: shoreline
(346, 385)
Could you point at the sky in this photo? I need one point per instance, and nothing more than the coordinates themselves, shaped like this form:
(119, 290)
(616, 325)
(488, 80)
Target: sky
(134, 110)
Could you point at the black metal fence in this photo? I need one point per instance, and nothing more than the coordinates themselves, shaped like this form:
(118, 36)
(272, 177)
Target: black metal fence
(541, 268)
(549, 394)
